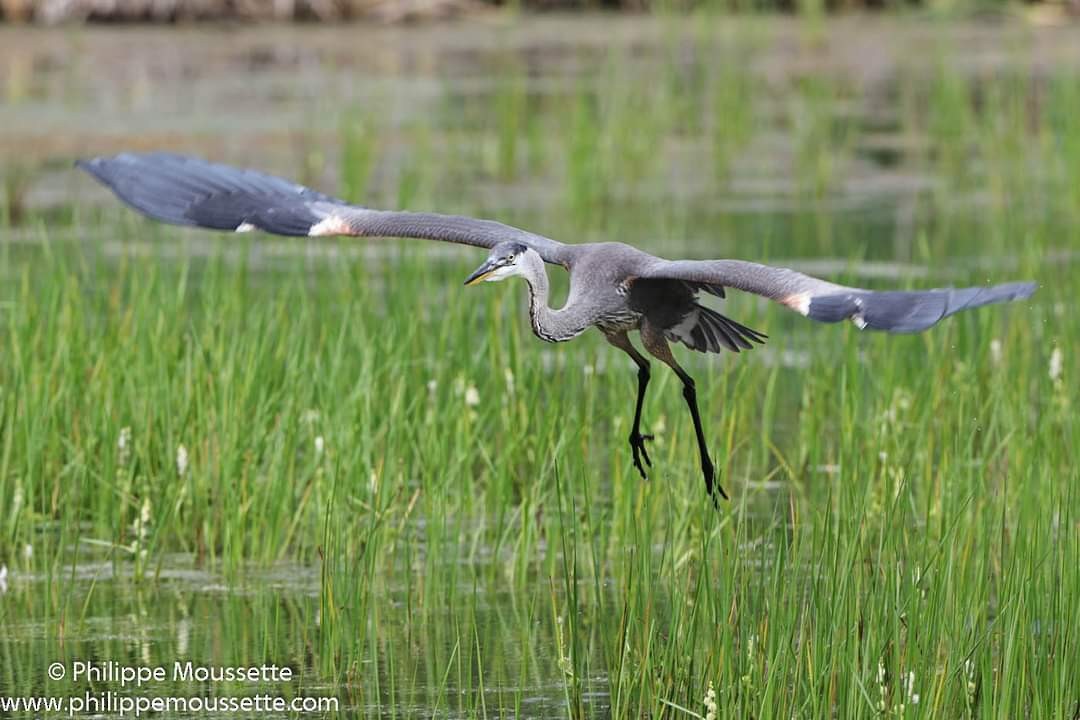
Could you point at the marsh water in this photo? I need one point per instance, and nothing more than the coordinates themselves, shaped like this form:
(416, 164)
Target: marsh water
(581, 127)
(185, 613)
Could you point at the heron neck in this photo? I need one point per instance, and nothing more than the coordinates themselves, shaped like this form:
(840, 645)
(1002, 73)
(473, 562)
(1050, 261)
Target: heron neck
(548, 324)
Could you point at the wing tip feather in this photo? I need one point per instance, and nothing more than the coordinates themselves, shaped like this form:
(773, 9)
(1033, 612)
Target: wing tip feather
(910, 311)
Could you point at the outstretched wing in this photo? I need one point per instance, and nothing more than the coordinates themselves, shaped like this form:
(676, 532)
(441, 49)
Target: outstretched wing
(894, 311)
(189, 191)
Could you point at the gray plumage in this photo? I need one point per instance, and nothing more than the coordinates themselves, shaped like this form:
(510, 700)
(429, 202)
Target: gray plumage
(614, 287)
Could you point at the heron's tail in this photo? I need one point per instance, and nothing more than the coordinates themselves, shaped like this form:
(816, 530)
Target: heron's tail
(908, 312)
(706, 330)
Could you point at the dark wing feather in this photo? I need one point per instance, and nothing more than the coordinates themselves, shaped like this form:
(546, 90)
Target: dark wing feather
(894, 311)
(717, 290)
(189, 191)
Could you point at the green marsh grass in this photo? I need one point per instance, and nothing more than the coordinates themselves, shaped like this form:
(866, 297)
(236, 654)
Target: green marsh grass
(902, 539)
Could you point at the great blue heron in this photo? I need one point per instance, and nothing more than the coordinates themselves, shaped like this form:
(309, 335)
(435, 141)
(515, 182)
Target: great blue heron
(614, 287)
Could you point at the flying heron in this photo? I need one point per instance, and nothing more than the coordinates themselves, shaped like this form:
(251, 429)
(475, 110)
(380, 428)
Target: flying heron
(613, 286)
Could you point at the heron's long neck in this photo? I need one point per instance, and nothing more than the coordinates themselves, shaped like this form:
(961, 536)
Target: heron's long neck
(547, 324)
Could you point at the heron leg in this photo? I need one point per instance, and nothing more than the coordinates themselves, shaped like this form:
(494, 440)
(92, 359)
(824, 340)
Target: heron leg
(637, 441)
(655, 342)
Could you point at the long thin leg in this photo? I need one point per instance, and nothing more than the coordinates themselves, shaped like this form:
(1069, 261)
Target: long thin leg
(637, 441)
(655, 342)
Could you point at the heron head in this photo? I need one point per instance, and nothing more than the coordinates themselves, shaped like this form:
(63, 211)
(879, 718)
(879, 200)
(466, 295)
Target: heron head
(504, 260)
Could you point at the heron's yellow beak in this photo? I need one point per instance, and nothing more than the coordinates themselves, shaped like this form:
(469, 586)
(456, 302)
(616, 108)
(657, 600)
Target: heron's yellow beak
(482, 272)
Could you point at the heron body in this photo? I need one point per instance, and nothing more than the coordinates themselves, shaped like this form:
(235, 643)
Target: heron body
(614, 287)
(607, 295)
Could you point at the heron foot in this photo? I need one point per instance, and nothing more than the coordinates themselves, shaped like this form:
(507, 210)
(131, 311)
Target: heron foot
(637, 445)
(713, 488)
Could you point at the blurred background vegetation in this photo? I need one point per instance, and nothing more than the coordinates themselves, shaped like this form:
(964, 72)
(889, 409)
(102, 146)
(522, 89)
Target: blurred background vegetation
(396, 11)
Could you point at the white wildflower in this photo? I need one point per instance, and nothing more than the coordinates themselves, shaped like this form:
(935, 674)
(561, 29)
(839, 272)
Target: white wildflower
(995, 352)
(909, 688)
(181, 460)
(1056, 361)
(472, 396)
(27, 551)
(123, 446)
(509, 376)
(140, 529)
(589, 369)
(883, 689)
(183, 636)
(710, 702)
(320, 444)
(969, 673)
(432, 386)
